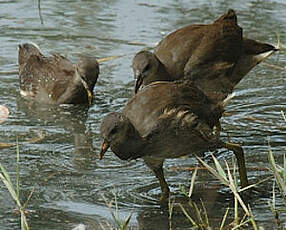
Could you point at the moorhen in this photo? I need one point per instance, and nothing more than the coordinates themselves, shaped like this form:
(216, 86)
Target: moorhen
(166, 120)
(55, 79)
(215, 56)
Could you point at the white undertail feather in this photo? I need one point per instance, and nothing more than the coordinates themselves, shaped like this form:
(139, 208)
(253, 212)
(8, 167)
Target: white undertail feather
(228, 99)
(261, 57)
(34, 44)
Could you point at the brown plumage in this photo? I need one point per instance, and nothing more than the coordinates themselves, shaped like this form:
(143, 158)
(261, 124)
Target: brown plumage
(55, 79)
(214, 56)
(165, 120)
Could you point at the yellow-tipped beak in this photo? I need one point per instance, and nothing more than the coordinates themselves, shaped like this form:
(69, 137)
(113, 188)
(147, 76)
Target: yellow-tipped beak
(104, 148)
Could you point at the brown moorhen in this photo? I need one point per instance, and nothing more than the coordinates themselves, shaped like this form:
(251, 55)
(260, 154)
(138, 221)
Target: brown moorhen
(215, 56)
(166, 120)
(55, 79)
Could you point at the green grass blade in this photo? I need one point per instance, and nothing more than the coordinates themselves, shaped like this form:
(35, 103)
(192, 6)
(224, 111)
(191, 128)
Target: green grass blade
(183, 190)
(205, 214)
(273, 197)
(10, 189)
(29, 197)
(117, 211)
(193, 182)
(126, 222)
(234, 191)
(224, 219)
(188, 216)
(6, 175)
(280, 169)
(280, 181)
(214, 172)
(234, 172)
(18, 169)
(241, 224)
(255, 185)
(284, 170)
(109, 205)
(219, 168)
(254, 225)
(279, 45)
(171, 207)
(24, 223)
(198, 213)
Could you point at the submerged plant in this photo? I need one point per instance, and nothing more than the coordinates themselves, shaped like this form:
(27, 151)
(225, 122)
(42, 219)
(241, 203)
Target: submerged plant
(280, 180)
(201, 220)
(279, 174)
(120, 224)
(15, 193)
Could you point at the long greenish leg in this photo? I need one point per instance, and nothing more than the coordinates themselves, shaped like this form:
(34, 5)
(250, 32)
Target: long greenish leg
(238, 151)
(156, 165)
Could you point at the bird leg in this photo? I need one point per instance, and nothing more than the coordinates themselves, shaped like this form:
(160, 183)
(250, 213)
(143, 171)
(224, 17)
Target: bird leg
(238, 151)
(156, 165)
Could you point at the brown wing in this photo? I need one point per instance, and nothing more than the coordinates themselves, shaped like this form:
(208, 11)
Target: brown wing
(174, 51)
(205, 54)
(212, 63)
(145, 108)
(180, 132)
(48, 77)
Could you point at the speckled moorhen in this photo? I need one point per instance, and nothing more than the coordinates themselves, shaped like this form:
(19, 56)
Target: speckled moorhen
(215, 56)
(55, 79)
(166, 120)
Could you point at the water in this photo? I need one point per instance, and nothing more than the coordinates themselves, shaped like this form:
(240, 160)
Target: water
(71, 186)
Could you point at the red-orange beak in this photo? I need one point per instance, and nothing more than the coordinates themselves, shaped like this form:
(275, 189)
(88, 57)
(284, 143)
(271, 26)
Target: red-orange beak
(104, 148)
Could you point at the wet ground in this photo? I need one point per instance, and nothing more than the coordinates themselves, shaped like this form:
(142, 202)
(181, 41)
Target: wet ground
(71, 185)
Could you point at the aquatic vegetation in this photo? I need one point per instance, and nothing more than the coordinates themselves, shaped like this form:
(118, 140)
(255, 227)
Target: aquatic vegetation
(119, 223)
(201, 220)
(15, 192)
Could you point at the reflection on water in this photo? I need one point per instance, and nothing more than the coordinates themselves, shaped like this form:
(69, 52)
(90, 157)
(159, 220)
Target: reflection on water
(71, 185)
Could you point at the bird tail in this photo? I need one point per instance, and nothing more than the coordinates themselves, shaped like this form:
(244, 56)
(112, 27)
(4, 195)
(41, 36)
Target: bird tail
(227, 99)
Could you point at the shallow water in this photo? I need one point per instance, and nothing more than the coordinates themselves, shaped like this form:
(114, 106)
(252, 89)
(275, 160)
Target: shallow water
(71, 185)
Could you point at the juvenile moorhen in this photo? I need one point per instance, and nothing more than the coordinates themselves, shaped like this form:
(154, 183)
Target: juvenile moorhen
(166, 120)
(148, 68)
(55, 79)
(215, 56)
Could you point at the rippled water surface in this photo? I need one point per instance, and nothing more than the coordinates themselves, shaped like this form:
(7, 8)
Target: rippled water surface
(70, 184)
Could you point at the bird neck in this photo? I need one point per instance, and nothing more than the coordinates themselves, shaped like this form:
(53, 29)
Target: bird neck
(130, 147)
(163, 74)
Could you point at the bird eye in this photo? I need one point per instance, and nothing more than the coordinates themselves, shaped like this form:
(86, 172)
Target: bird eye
(113, 131)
